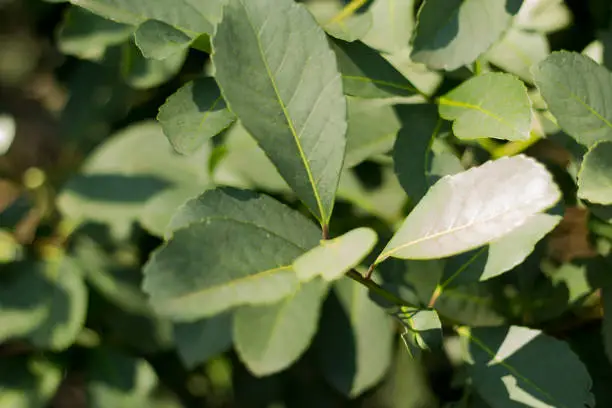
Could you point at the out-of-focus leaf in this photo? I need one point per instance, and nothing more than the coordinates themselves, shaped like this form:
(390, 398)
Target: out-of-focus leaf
(493, 105)
(308, 141)
(392, 24)
(543, 15)
(270, 338)
(28, 382)
(194, 114)
(199, 341)
(87, 35)
(158, 40)
(333, 258)
(45, 302)
(372, 128)
(470, 209)
(518, 51)
(595, 176)
(366, 74)
(157, 212)
(190, 278)
(142, 73)
(571, 84)
(452, 33)
(501, 365)
(474, 305)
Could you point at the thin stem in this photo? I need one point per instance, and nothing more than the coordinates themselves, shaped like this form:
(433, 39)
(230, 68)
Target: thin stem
(516, 147)
(347, 11)
(376, 288)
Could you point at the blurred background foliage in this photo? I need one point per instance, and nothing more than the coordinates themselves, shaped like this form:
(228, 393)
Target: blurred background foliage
(88, 183)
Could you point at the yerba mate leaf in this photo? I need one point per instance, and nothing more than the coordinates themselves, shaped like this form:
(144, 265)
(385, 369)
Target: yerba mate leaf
(493, 105)
(506, 368)
(270, 338)
(470, 209)
(279, 76)
(334, 257)
(194, 114)
(595, 175)
(452, 33)
(575, 90)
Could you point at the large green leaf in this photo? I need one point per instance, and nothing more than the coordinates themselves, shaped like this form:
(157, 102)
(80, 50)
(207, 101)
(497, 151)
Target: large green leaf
(158, 40)
(333, 258)
(228, 248)
(517, 366)
(28, 382)
(470, 209)
(334, 19)
(194, 114)
(543, 15)
(270, 338)
(158, 211)
(365, 73)
(292, 76)
(356, 340)
(492, 105)
(595, 176)
(392, 24)
(45, 302)
(452, 33)
(143, 73)
(199, 341)
(572, 84)
(191, 17)
(86, 35)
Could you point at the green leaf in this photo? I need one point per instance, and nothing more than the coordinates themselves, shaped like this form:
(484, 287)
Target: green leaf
(157, 212)
(365, 73)
(571, 84)
(543, 16)
(142, 73)
(452, 33)
(392, 25)
(334, 257)
(188, 278)
(199, 341)
(43, 302)
(372, 129)
(357, 340)
(595, 176)
(475, 305)
(423, 329)
(470, 209)
(295, 81)
(518, 51)
(192, 18)
(505, 365)
(158, 40)
(194, 114)
(270, 338)
(493, 105)
(330, 16)
(87, 36)
(28, 382)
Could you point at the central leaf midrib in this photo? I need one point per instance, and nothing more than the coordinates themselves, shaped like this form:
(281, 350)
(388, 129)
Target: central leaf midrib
(460, 104)
(286, 115)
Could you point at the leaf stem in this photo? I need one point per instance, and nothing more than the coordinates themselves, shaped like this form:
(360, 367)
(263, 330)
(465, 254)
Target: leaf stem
(376, 288)
(516, 147)
(347, 11)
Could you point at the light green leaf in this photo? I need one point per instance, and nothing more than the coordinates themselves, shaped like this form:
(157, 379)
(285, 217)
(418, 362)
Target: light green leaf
(28, 382)
(334, 257)
(194, 114)
(158, 40)
(293, 77)
(270, 338)
(365, 73)
(505, 365)
(329, 15)
(188, 278)
(87, 36)
(358, 340)
(518, 51)
(422, 329)
(142, 73)
(157, 212)
(470, 209)
(493, 105)
(452, 33)
(571, 84)
(595, 176)
(193, 18)
(372, 128)
(199, 341)
(543, 15)
(393, 21)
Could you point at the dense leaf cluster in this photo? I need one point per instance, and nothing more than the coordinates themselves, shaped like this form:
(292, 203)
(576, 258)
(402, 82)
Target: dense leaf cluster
(390, 203)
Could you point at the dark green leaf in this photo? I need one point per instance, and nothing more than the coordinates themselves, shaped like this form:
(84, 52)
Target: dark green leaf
(194, 114)
(158, 40)
(595, 176)
(28, 382)
(142, 73)
(452, 33)
(201, 340)
(295, 81)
